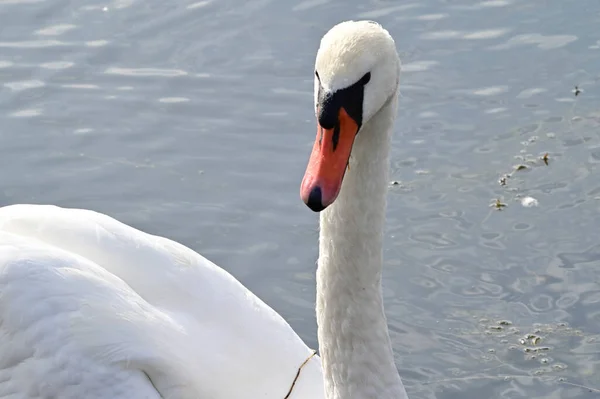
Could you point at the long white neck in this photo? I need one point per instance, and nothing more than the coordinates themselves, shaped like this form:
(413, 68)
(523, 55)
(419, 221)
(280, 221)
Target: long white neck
(354, 342)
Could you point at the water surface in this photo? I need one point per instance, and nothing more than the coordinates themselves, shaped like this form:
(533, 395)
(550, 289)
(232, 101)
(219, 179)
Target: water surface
(193, 120)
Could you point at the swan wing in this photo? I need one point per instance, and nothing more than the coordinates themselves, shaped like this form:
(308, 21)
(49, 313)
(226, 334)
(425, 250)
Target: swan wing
(82, 294)
(43, 294)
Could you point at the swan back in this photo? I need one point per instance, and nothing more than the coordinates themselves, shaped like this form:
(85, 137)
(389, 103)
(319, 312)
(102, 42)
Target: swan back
(144, 303)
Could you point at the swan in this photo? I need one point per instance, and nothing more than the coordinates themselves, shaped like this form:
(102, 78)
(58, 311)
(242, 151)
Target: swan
(93, 308)
(357, 72)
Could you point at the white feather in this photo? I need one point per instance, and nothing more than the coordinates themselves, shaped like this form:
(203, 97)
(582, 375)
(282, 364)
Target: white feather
(106, 299)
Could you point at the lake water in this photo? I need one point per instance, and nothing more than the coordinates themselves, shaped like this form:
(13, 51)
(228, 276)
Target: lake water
(194, 120)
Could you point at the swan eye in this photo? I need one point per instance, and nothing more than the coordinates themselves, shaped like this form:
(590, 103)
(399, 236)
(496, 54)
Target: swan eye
(365, 79)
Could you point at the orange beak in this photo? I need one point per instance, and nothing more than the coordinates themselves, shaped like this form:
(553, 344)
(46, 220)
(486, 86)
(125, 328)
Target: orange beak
(328, 162)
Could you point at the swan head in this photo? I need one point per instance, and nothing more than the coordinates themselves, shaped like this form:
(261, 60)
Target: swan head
(357, 71)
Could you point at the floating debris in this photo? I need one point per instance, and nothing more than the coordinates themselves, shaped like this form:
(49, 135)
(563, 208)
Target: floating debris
(532, 339)
(534, 345)
(528, 202)
(545, 158)
(498, 205)
(577, 91)
(504, 179)
(395, 183)
(535, 349)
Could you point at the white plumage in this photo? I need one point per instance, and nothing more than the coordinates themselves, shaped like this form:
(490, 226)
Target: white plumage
(93, 308)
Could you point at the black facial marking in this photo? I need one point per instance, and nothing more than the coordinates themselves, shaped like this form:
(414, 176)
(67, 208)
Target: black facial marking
(351, 98)
(320, 137)
(365, 79)
(336, 136)
(329, 104)
(329, 107)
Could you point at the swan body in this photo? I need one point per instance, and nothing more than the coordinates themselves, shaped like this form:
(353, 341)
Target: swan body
(93, 308)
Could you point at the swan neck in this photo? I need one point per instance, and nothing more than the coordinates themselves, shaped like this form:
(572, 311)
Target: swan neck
(353, 335)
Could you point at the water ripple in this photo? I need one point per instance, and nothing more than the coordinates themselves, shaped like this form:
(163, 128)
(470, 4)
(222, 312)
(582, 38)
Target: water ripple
(96, 43)
(485, 5)
(26, 113)
(33, 44)
(199, 4)
(418, 66)
(19, 2)
(173, 100)
(485, 34)
(143, 72)
(528, 93)
(382, 12)
(55, 30)
(24, 85)
(80, 86)
(542, 42)
(57, 65)
(431, 17)
(121, 4)
(308, 4)
(490, 91)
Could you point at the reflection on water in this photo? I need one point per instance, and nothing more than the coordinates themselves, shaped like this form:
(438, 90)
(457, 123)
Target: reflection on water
(193, 119)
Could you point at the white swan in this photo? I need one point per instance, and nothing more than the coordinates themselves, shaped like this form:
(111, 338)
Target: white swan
(357, 75)
(93, 308)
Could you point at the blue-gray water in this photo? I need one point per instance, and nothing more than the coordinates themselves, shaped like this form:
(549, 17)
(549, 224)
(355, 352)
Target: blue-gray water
(194, 120)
